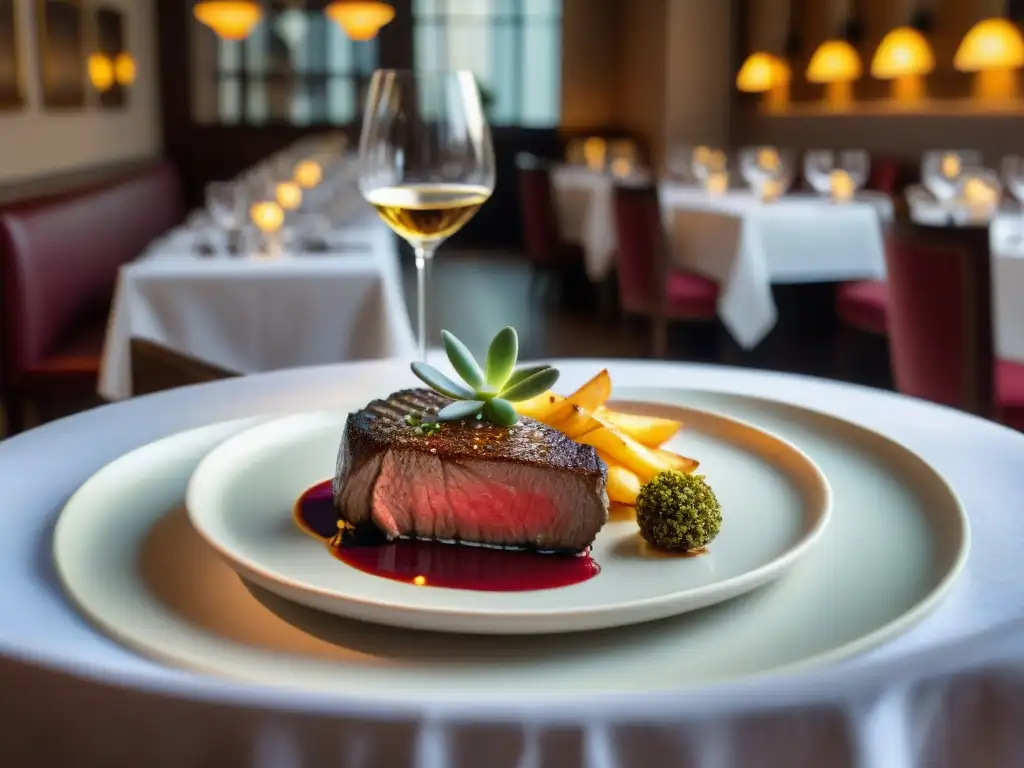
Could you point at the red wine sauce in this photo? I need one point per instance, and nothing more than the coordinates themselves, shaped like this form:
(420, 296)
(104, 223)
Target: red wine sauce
(436, 564)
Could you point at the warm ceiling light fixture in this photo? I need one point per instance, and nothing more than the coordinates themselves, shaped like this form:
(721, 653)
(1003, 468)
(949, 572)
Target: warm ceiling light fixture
(836, 64)
(904, 57)
(993, 51)
(361, 19)
(230, 19)
(768, 74)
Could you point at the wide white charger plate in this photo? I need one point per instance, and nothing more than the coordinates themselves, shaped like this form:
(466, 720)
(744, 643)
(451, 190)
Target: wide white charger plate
(775, 504)
(129, 559)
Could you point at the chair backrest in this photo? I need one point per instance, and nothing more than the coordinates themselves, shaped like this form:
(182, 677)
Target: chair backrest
(886, 176)
(940, 315)
(59, 257)
(642, 247)
(156, 368)
(541, 235)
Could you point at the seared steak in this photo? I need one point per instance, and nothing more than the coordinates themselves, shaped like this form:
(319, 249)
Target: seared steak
(473, 482)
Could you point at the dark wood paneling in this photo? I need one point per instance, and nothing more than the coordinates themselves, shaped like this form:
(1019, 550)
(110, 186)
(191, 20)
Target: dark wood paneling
(64, 183)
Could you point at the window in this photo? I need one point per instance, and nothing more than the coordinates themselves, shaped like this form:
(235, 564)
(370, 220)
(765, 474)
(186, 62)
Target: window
(512, 46)
(296, 67)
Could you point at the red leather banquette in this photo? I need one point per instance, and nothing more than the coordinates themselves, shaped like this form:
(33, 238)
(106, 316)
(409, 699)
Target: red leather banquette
(59, 260)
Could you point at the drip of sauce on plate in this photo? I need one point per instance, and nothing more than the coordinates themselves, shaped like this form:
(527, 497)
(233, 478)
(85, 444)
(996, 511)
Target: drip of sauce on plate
(437, 564)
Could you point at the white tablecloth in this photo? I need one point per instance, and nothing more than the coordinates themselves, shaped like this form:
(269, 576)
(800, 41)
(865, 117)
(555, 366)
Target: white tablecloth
(744, 245)
(253, 314)
(948, 693)
(1006, 237)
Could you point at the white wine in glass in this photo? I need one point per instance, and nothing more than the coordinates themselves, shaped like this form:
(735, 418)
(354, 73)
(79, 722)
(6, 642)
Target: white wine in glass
(427, 164)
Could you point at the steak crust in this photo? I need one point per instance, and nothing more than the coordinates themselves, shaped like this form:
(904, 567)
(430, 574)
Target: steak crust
(526, 486)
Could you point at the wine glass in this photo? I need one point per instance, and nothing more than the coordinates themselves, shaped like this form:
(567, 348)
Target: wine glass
(706, 162)
(767, 170)
(839, 174)
(1013, 177)
(818, 165)
(225, 204)
(941, 171)
(426, 161)
(978, 194)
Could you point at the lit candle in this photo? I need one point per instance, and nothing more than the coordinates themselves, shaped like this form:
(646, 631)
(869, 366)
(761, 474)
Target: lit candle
(594, 151)
(841, 185)
(308, 173)
(289, 195)
(768, 159)
(771, 190)
(716, 161)
(717, 183)
(267, 216)
(980, 199)
(950, 166)
(621, 167)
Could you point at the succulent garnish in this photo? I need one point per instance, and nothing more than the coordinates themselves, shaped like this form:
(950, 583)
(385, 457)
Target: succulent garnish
(486, 392)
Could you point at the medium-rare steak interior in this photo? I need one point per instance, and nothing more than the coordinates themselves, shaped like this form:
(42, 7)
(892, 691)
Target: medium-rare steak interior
(467, 481)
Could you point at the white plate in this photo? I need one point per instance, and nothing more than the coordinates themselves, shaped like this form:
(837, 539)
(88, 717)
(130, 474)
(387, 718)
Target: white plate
(775, 506)
(130, 560)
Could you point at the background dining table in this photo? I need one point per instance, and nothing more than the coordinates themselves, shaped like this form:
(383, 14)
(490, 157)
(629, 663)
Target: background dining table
(949, 691)
(744, 245)
(249, 314)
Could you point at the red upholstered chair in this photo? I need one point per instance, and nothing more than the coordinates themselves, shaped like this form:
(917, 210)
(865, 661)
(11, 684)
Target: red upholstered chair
(886, 176)
(648, 284)
(59, 260)
(545, 247)
(940, 324)
(864, 305)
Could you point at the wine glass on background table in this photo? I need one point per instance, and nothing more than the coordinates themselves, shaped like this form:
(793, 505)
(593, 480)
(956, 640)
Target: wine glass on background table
(225, 205)
(1013, 177)
(426, 162)
(941, 172)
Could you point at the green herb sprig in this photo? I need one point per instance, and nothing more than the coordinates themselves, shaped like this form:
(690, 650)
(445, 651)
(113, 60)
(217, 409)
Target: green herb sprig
(488, 391)
(421, 427)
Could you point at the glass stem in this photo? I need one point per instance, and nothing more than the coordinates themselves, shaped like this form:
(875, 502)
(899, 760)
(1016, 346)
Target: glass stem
(424, 258)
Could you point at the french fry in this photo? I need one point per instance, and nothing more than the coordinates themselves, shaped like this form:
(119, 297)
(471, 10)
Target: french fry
(578, 423)
(589, 398)
(623, 485)
(624, 450)
(683, 464)
(540, 407)
(646, 430)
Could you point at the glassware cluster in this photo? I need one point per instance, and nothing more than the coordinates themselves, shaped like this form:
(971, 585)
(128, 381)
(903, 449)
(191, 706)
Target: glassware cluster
(291, 199)
(957, 187)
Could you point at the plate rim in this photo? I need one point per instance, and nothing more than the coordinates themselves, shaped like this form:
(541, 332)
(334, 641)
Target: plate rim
(704, 596)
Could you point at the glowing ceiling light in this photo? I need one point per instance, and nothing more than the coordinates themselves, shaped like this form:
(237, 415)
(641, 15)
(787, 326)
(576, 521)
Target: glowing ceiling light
(231, 19)
(361, 19)
(768, 74)
(836, 64)
(904, 57)
(993, 50)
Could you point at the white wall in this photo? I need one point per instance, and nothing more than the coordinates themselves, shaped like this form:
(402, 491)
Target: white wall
(36, 142)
